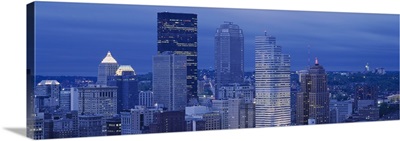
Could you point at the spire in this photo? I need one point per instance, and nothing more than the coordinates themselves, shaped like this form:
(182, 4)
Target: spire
(316, 61)
(109, 58)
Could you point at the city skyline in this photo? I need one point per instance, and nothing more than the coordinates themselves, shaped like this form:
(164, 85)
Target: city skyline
(341, 45)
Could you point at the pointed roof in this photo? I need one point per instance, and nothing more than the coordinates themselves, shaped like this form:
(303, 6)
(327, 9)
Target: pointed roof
(109, 58)
(124, 68)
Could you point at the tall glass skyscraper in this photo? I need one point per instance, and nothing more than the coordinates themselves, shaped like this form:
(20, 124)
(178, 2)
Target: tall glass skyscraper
(177, 32)
(169, 81)
(229, 57)
(272, 83)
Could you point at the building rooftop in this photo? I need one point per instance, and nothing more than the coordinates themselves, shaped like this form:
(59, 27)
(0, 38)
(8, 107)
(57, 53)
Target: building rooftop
(124, 68)
(48, 82)
(109, 58)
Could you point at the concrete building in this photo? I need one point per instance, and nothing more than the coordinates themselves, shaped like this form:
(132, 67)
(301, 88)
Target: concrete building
(169, 81)
(236, 90)
(137, 120)
(272, 83)
(47, 94)
(90, 125)
(106, 68)
(342, 110)
(98, 100)
(146, 98)
(65, 99)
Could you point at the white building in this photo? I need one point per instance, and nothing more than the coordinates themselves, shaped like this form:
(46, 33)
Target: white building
(169, 81)
(146, 98)
(107, 67)
(74, 99)
(272, 83)
(135, 120)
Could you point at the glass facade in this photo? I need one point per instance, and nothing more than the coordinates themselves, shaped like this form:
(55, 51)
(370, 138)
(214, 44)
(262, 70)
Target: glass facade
(177, 32)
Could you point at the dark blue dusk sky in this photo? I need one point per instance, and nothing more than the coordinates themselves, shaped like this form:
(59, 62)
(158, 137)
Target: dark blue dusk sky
(73, 38)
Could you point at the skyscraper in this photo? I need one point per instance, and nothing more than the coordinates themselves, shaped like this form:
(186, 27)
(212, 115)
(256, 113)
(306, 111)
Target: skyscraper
(127, 94)
(65, 99)
(106, 68)
(177, 32)
(229, 56)
(272, 83)
(313, 99)
(47, 94)
(169, 81)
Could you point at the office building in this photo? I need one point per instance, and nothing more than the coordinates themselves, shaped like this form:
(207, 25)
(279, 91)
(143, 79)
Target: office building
(168, 121)
(228, 54)
(90, 125)
(106, 68)
(113, 126)
(177, 32)
(137, 120)
(313, 98)
(47, 94)
(272, 83)
(146, 98)
(236, 90)
(127, 93)
(342, 110)
(65, 99)
(169, 81)
(98, 100)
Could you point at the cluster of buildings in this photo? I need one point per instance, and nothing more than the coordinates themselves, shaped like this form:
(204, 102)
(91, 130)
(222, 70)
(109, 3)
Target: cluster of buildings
(179, 102)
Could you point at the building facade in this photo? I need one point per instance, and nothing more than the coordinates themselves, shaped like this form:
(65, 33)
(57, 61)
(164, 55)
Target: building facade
(127, 93)
(169, 81)
(313, 98)
(98, 100)
(47, 95)
(106, 68)
(177, 32)
(236, 90)
(146, 98)
(228, 54)
(272, 83)
(90, 125)
(137, 120)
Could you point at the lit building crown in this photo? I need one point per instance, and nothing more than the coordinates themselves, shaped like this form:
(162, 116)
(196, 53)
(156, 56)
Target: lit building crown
(109, 58)
(124, 68)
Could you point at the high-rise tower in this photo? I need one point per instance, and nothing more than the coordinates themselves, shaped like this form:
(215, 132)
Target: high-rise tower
(313, 99)
(272, 83)
(169, 81)
(106, 68)
(127, 94)
(229, 57)
(177, 32)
